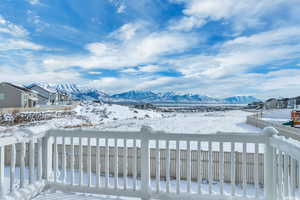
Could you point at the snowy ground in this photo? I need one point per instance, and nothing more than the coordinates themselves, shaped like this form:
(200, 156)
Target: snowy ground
(250, 189)
(277, 115)
(211, 122)
(115, 117)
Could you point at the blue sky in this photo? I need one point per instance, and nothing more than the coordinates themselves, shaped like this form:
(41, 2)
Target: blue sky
(214, 47)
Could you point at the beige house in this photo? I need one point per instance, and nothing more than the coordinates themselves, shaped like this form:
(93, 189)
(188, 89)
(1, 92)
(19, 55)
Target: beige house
(13, 96)
(49, 96)
(271, 103)
(45, 96)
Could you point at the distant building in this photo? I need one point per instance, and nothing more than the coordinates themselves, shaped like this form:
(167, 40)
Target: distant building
(13, 96)
(144, 106)
(271, 103)
(283, 103)
(294, 102)
(63, 97)
(49, 96)
(256, 105)
(45, 96)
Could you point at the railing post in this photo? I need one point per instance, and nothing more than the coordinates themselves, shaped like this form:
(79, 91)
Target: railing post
(269, 185)
(145, 162)
(2, 184)
(47, 158)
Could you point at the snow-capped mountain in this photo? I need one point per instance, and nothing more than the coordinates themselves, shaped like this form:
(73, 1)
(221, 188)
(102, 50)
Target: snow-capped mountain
(76, 93)
(133, 96)
(136, 96)
(171, 97)
(80, 93)
(240, 99)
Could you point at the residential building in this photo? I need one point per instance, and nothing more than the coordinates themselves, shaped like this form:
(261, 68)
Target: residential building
(294, 102)
(271, 103)
(13, 96)
(50, 96)
(283, 103)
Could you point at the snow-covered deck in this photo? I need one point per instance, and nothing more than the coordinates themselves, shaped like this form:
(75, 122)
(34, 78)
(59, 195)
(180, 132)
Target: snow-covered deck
(97, 168)
(78, 196)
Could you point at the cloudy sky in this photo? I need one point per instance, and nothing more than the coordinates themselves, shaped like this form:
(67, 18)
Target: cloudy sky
(213, 47)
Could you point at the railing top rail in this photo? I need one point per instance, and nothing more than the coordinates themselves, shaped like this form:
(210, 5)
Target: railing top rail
(283, 130)
(16, 137)
(292, 147)
(159, 135)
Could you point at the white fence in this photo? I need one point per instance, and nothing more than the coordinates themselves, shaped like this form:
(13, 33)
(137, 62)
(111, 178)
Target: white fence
(257, 121)
(119, 163)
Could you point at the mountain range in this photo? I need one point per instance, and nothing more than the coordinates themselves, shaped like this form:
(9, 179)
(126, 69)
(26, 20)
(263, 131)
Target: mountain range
(133, 96)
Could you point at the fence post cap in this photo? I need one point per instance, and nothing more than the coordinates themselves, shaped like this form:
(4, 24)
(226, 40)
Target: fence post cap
(270, 131)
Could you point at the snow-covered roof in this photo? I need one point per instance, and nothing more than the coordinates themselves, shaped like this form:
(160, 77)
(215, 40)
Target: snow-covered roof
(50, 90)
(23, 89)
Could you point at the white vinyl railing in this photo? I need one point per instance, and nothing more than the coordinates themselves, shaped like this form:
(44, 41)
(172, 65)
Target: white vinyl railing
(151, 165)
(21, 167)
(75, 171)
(286, 162)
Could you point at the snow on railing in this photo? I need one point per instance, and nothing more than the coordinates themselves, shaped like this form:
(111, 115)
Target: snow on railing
(286, 161)
(21, 166)
(141, 164)
(113, 152)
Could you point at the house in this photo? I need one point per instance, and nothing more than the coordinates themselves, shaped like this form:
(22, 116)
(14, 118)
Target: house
(256, 105)
(144, 106)
(271, 103)
(283, 103)
(45, 96)
(63, 97)
(294, 102)
(50, 96)
(13, 96)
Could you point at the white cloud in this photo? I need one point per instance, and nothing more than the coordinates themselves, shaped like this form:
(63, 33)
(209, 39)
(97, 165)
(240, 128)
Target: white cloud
(241, 14)
(187, 23)
(16, 44)
(120, 5)
(242, 54)
(126, 32)
(34, 2)
(25, 76)
(11, 29)
(95, 73)
(159, 82)
(121, 8)
(138, 51)
(14, 37)
(129, 70)
(143, 69)
(150, 68)
(121, 84)
(112, 84)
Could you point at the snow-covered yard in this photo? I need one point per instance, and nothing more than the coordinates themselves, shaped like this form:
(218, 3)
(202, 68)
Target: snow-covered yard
(212, 122)
(123, 118)
(277, 115)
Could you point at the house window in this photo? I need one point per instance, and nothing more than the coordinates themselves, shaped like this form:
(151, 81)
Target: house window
(2, 96)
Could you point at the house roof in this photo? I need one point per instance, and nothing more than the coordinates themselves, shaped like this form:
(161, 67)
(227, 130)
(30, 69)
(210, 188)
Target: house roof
(18, 87)
(43, 88)
(272, 99)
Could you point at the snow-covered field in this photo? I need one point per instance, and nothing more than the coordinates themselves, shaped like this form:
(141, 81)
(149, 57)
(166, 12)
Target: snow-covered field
(277, 115)
(115, 117)
(212, 122)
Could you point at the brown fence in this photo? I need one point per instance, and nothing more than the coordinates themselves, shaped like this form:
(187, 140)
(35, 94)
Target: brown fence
(183, 156)
(38, 109)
